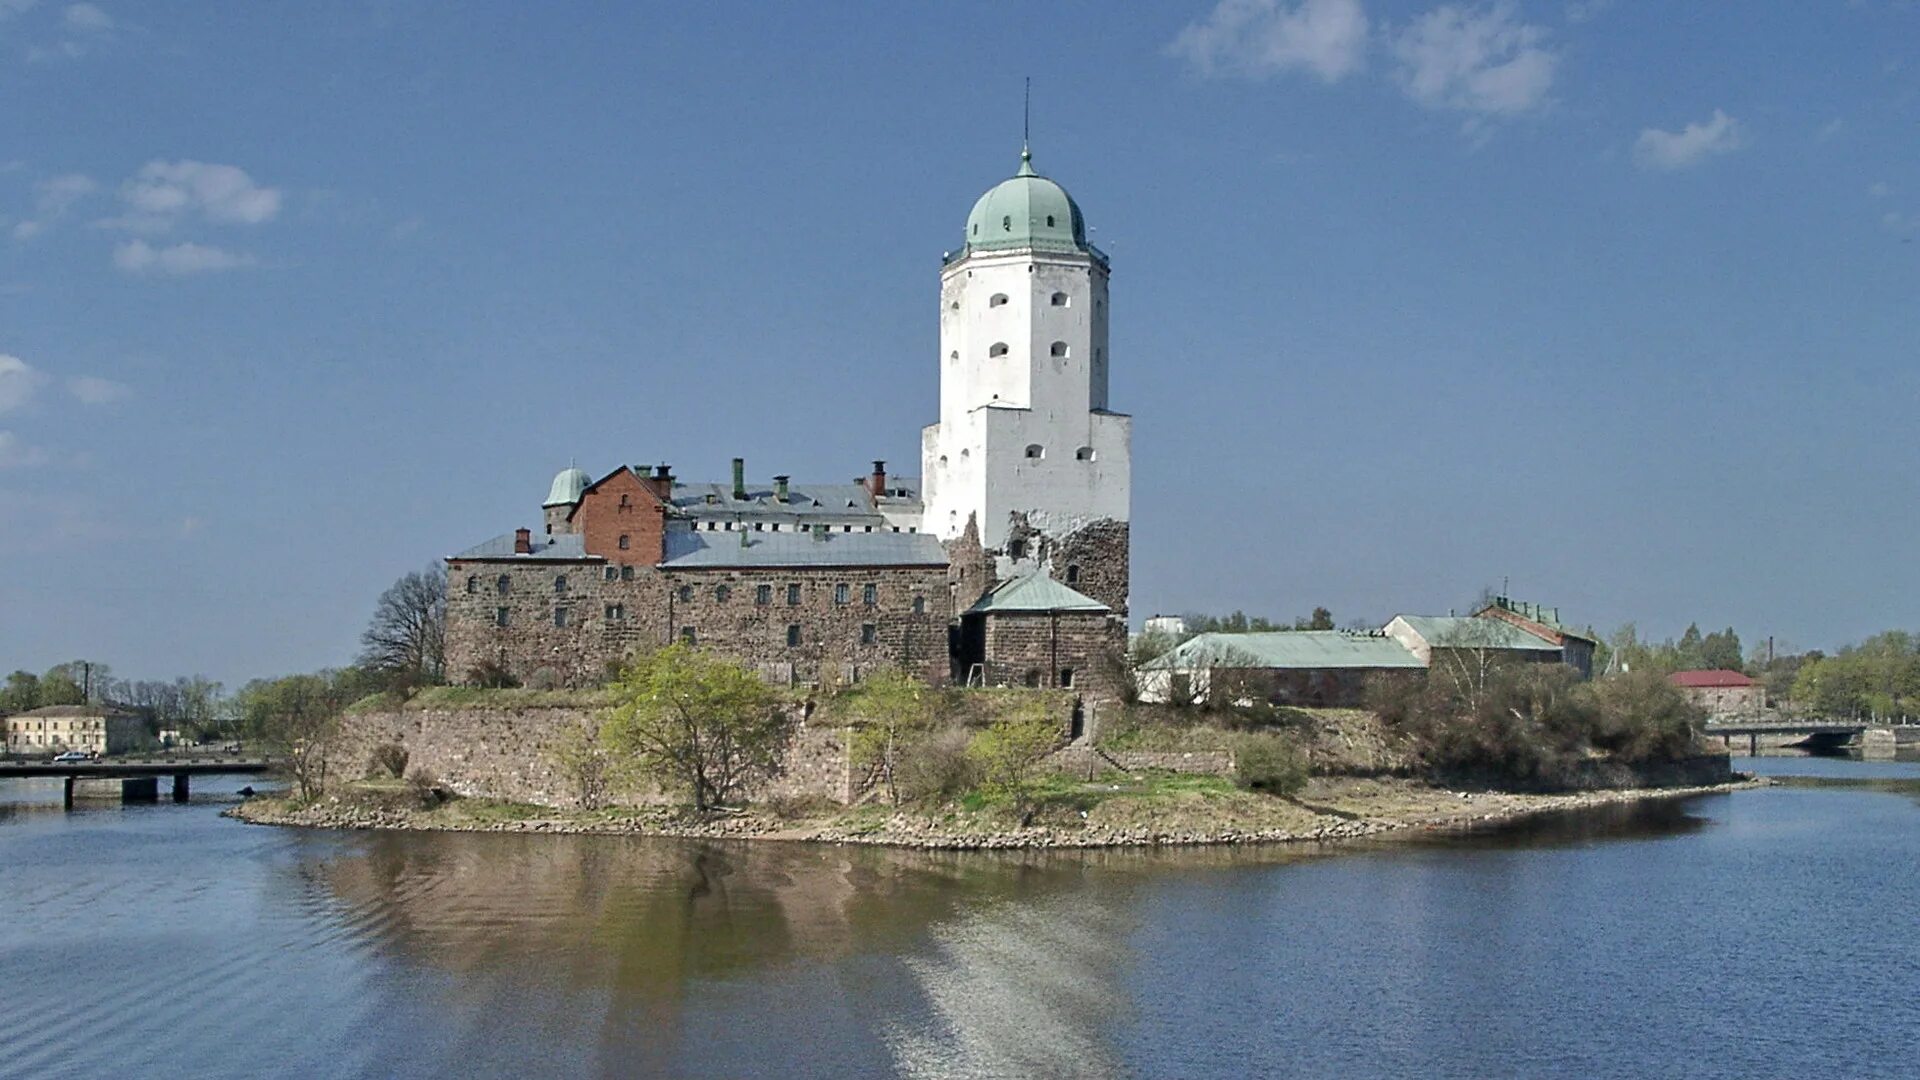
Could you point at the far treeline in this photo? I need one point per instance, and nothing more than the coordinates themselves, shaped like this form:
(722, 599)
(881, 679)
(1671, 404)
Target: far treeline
(1877, 677)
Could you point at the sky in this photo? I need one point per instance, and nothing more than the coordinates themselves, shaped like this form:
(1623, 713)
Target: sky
(1617, 303)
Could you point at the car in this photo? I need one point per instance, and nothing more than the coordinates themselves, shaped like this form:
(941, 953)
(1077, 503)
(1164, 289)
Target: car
(72, 755)
(232, 748)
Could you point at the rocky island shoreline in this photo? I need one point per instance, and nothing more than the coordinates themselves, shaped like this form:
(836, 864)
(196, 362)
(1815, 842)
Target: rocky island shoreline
(1331, 809)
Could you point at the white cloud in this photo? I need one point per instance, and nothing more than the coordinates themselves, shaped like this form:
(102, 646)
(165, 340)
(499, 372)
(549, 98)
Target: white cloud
(1259, 38)
(53, 197)
(15, 454)
(140, 257)
(1691, 145)
(164, 192)
(94, 390)
(19, 381)
(88, 19)
(1481, 60)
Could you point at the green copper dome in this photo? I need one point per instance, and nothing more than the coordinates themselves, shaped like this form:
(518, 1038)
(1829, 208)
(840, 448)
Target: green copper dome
(1026, 211)
(567, 487)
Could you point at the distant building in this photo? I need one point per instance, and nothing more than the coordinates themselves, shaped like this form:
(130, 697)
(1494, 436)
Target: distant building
(99, 729)
(1722, 692)
(1312, 668)
(1166, 624)
(1523, 631)
(1576, 646)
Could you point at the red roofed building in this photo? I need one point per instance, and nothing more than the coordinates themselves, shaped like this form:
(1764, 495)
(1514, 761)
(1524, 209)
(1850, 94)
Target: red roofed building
(1722, 692)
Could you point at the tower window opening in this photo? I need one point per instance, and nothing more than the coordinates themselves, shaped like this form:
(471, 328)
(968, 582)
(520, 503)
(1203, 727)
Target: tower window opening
(1049, 221)
(625, 541)
(919, 605)
(505, 584)
(626, 573)
(1059, 299)
(763, 594)
(793, 635)
(998, 348)
(721, 593)
(1036, 451)
(1073, 573)
(473, 583)
(560, 617)
(997, 300)
(1057, 349)
(560, 584)
(1006, 223)
(499, 616)
(869, 633)
(1085, 453)
(1016, 549)
(954, 355)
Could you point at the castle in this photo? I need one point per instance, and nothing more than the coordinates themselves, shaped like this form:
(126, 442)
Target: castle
(1004, 563)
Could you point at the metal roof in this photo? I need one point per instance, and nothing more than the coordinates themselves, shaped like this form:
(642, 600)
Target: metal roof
(1289, 649)
(1456, 631)
(691, 550)
(849, 501)
(1035, 592)
(76, 710)
(565, 546)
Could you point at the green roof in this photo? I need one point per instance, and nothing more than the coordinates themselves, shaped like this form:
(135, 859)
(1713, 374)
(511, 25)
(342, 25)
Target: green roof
(1309, 649)
(1027, 211)
(1455, 631)
(567, 487)
(1035, 592)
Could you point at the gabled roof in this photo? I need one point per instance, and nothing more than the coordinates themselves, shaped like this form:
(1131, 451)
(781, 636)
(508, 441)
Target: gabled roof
(840, 502)
(560, 547)
(1464, 632)
(1719, 677)
(691, 549)
(1288, 649)
(77, 710)
(1035, 592)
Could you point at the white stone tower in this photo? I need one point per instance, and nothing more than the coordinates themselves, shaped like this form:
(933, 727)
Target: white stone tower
(1026, 447)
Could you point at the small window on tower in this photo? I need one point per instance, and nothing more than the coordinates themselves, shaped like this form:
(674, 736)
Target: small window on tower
(1006, 223)
(560, 584)
(1059, 299)
(998, 348)
(559, 616)
(1058, 348)
(1073, 573)
(919, 605)
(499, 616)
(1016, 549)
(473, 583)
(505, 584)
(1036, 451)
(998, 299)
(1049, 221)
(625, 541)
(954, 355)
(793, 635)
(869, 633)
(1085, 453)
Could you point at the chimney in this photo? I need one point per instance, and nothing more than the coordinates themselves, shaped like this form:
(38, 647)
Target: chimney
(877, 483)
(780, 488)
(739, 478)
(662, 482)
(523, 541)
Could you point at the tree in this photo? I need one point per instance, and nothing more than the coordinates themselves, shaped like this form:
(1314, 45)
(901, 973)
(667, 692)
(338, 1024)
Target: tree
(1322, 619)
(584, 757)
(1008, 753)
(21, 694)
(893, 710)
(297, 717)
(697, 721)
(406, 640)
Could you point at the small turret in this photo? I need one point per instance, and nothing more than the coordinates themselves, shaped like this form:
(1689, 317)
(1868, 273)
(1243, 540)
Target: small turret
(562, 497)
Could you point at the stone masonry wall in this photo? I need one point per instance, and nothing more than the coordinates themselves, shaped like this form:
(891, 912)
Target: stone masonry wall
(508, 754)
(566, 623)
(1034, 649)
(1093, 560)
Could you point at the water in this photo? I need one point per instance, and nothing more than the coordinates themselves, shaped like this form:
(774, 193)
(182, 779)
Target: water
(1761, 933)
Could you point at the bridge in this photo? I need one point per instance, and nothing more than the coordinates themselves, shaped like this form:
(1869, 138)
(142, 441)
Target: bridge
(135, 769)
(1873, 738)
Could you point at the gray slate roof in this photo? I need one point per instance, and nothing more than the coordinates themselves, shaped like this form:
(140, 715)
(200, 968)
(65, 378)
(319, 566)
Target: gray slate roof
(689, 549)
(566, 546)
(1291, 649)
(805, 501)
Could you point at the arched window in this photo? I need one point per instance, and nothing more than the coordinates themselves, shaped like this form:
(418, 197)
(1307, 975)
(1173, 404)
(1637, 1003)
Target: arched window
(1036, 451)
(954, 355)
(1073, 573)
(721, 592)
(1085, 453)
(686, 593)
(560, 584)
(998, 348)
(1057, 349)
(505, 584)
(1059, 299)
(473, 583)
(943, 461)
(1049, 221)
(1006, 223)
(625, 541)
(998, 299)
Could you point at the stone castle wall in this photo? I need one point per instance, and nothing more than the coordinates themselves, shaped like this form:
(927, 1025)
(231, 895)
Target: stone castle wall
(567, 623)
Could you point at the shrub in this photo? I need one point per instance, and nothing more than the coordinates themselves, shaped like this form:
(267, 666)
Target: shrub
(426, 790)
(388, 760)
(1267, 762)
(493, 675)
(936, 768)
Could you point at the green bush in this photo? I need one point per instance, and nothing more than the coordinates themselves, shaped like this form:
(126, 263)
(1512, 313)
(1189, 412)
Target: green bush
(1264, 761)
(936, 768)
